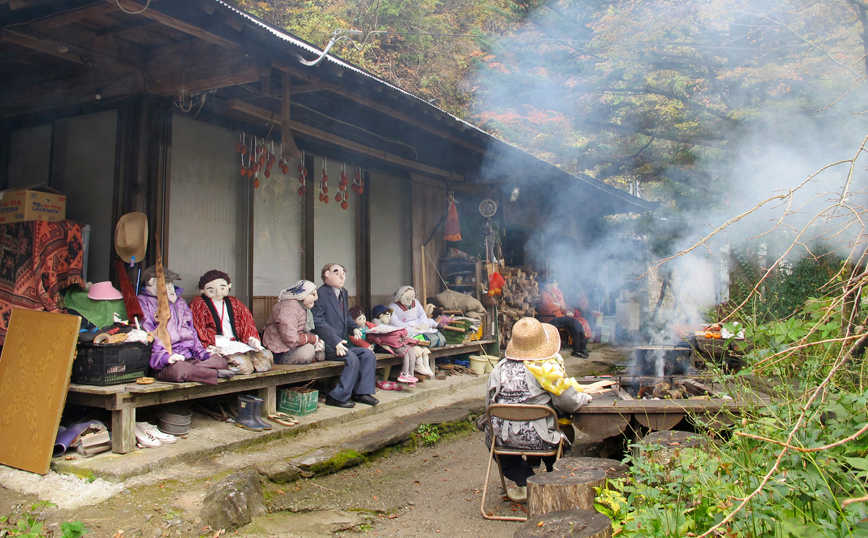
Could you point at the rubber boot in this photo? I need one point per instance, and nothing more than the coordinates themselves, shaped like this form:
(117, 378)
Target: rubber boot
(245, 417)
(257, 412)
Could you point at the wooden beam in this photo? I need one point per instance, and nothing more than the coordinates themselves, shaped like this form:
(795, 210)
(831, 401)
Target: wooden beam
(125, 26)
(75, 90)
(261, 113)
(69, 17)
(309, 88)
(389, 111)
(151, 12)
(287, 143)
(25, 40)
(175, 72)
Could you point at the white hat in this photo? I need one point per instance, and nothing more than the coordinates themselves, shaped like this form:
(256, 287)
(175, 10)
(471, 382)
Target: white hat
(298, 291)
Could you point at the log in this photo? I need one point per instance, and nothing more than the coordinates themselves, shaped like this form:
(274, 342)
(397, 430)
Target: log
(566, 524)
(612, 468)
(550, 492)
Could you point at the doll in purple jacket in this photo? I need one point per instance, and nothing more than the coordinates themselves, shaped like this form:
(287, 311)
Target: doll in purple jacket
(187, 360)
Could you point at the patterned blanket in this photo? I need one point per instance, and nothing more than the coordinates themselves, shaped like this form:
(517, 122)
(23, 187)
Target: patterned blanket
(37, 260)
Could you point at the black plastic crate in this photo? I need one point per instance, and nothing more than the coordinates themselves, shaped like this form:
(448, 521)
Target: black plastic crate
(110, 364)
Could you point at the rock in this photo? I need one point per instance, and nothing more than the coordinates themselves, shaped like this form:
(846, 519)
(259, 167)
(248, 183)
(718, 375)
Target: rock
(585, 445)
(233, 501)
(280, 472)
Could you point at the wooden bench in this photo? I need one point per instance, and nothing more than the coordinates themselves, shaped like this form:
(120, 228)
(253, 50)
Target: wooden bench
(122, 400)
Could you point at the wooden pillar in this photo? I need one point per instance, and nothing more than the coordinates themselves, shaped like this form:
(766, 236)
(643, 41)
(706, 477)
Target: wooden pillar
(311, 273)
(363, 244)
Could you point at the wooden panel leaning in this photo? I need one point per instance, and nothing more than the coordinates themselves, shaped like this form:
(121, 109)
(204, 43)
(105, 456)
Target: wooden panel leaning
(550, 492)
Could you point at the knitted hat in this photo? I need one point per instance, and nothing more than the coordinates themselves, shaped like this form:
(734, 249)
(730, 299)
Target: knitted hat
(396, 297)
(213, 274)
(356, 311)
(151, 272)
(532, 340)
(379, 310)
(298, 291)
(103, 291)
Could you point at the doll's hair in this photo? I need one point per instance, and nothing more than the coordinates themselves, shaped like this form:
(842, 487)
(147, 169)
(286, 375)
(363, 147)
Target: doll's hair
(213, 274)
(356, 311)
(328, 266)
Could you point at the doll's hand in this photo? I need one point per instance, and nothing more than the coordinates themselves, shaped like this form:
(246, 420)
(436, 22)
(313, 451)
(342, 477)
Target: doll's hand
(421, 327)
(319, 345)
(212, 349)
(358, 334)
(341, 348)
(584, 398)
(254, 343)
(176, 358)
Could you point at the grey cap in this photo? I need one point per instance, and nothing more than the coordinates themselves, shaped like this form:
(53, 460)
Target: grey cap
(151, 272)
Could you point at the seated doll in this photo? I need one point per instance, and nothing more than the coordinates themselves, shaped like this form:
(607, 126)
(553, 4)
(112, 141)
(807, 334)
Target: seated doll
(358, 315)
(226, 323)
(289, 330)
(408, 313)
(187, 360)
(415, 356)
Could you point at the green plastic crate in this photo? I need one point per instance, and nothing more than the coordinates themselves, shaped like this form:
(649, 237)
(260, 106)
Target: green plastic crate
(297, 402)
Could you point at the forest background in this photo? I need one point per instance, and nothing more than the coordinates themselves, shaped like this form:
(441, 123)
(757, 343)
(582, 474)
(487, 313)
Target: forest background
(746, 120)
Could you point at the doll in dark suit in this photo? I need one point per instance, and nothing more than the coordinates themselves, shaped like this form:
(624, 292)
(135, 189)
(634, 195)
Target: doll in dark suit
(332, 323)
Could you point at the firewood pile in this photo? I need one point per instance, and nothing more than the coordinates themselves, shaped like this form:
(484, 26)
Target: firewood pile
(519, 300)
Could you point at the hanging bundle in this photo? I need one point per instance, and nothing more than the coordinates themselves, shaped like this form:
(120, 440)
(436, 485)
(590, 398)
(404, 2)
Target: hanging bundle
(302, 176)
(324, 185)
(358, 185)
(453, 230)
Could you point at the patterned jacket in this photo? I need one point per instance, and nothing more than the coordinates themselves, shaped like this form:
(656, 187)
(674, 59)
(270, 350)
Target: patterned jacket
(208, 327)
(284, 330)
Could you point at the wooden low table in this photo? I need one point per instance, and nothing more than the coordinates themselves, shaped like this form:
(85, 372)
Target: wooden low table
(613, 410)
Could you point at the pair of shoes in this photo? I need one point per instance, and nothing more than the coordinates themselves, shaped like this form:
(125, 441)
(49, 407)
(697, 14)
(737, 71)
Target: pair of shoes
(389, 385)
(366, 399)
(282, 418)
(145, 439)
(581, 354)
(155, 432)
(406, 378)
(337, 403)
(517, 494)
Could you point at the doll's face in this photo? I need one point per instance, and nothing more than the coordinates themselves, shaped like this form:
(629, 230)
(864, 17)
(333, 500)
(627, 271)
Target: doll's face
(407, 298)
(385, 317)
(217, 289)
(310, 299)
(335, 276)
(360, 320)
(553, 285)
(151, 286)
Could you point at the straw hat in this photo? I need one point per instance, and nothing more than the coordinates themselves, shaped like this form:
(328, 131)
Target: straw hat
(131, 236)
(532, 340)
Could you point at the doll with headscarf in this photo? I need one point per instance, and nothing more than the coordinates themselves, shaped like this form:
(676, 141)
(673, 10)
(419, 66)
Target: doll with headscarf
(288, 332)
(225, 325)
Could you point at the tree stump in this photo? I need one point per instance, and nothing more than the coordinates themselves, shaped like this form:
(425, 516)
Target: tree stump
(612, 468)
(574, 523)
(550, 492)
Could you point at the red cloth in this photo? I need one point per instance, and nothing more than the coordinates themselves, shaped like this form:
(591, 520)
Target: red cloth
(37, 260)
(206, 326)
(551, 305)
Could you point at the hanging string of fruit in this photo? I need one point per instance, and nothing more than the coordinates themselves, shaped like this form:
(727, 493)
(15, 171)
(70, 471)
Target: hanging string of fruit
(358, 185)
(342, 194)
(302, 176)
(261, 157)
(324, 184)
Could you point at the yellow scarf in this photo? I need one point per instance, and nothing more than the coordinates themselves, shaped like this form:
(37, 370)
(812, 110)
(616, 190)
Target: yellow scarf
(551, 375)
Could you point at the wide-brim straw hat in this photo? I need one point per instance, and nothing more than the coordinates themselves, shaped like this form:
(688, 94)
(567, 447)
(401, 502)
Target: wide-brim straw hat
(532, 340)
(131, 237)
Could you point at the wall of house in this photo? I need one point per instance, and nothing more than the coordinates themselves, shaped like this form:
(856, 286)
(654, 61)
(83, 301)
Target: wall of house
(335, 229)
(29, 156)
(208, 216)
(278, 219)
(391, 236)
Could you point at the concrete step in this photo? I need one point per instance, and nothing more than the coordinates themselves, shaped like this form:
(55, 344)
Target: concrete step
(321, 439)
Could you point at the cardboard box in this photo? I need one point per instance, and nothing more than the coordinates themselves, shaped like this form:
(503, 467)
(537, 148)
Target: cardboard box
(36, 202)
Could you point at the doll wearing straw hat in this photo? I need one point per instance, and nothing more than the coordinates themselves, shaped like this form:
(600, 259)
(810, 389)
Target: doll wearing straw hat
(532, 372)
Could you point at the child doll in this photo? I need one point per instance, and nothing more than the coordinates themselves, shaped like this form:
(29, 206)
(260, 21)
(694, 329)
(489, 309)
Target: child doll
(408, 348)
(358, 315)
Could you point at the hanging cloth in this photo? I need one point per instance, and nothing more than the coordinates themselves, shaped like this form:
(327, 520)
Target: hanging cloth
(453, 230)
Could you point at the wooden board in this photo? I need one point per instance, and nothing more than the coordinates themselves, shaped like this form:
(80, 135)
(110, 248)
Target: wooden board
(34, 373)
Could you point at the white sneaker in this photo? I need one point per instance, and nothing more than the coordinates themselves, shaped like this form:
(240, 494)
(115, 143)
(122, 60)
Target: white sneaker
(145, 439)
(155, 432)
(517, 494)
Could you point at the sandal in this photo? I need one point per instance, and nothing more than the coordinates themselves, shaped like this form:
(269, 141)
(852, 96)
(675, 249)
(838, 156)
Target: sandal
(282, 418)
(388, 385)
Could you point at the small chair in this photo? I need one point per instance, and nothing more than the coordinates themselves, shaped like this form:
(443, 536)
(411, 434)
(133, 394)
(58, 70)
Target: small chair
(515, 412)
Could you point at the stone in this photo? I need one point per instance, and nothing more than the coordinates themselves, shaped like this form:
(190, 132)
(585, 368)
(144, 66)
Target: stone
(585, 445)
(280, 472)
(233, 501)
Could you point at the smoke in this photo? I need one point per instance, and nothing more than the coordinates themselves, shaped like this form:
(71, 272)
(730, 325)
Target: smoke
(757, 139)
